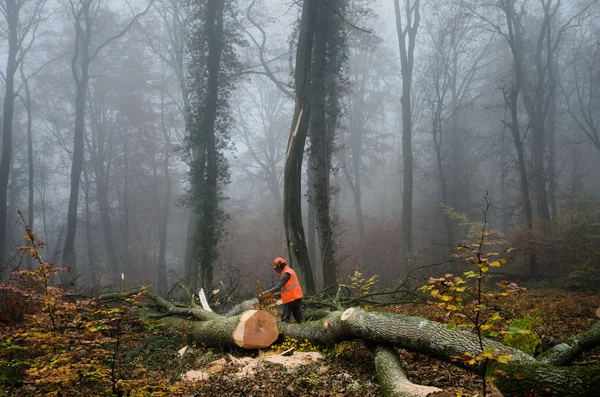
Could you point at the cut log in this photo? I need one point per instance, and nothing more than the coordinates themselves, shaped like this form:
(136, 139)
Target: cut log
(257, 329)
(393, 380)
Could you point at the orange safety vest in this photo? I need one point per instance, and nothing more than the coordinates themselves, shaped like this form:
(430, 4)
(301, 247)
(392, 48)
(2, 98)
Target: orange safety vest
(291, 290)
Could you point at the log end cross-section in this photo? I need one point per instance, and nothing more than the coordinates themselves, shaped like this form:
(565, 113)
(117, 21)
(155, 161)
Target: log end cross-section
(257, 329)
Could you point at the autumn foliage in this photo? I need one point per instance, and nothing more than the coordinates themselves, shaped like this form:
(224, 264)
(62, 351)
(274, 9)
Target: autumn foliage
(53, 342)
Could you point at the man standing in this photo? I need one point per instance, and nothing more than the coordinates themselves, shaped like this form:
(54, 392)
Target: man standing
(291, 293)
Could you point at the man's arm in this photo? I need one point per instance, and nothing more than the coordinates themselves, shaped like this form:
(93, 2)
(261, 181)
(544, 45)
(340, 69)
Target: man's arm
(280, 284)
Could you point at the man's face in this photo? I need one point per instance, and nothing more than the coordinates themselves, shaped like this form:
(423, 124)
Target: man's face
(279, 268)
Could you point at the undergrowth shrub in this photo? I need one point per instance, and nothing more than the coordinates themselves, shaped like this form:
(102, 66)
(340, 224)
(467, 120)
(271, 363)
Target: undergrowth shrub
(59, 343)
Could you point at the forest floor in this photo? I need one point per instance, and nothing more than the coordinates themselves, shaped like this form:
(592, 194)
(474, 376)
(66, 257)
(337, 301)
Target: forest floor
(148, 362)
(352, 373)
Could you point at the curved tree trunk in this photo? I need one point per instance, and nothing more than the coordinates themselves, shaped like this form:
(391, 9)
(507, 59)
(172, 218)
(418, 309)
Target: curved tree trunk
(292, 192)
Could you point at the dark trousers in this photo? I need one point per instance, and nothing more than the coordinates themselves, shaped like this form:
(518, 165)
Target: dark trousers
(292, 308)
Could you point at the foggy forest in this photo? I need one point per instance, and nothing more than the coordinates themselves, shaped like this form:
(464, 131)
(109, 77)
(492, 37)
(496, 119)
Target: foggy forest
(429, 169)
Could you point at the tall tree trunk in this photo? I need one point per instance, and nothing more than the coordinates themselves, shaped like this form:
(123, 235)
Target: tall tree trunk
(104, 210)
(94, 279)
(524, 180)
(353, 177)
(8, 109)
(516, 42)
(311, 233)
(539, 174)
(552, 158)
(322, 133)
(30, 196)
(210, 234)
(164, 218)
(324, 217)
(406, 66)
(80, 64)
(126, 205)
(292, 197)
(100, 152)
(357, 185)
(437, 131)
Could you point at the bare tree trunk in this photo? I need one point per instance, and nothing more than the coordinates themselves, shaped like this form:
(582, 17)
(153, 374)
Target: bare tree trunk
(311, 233)
(406, 64)
(164, 218)
(353, 176)
(12, 16)
(80, 69)
(30, 197)
(95, 281)
(126, 206)
(99, 152)
(292, 197)
(552, 158)
(516, 42)
(512, 99)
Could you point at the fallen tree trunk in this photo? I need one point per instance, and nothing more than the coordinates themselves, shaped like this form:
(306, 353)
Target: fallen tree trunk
(392, 379)
(570, 348)
(523, 375)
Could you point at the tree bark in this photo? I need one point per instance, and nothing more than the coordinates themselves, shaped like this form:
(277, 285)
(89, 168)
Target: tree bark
(210, 203)
(164, 213)
(30, 169)
(513, 98)
(392, 379)
(406, 66)
(80, 69)
(99, 149)
(292, 200)
(572, 347)
(323, 123)
(94, 277)
(8, 109)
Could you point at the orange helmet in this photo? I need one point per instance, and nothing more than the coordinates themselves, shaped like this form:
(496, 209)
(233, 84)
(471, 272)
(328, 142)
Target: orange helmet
(278, 261)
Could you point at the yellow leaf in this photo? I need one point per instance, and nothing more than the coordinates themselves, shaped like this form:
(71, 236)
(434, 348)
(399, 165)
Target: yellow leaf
(27, 238)
(495, 264)
(451, 307)
(447, 298)
(484, 269)
(435, 292)
(485, 327)
(503, 359)
(510, 249)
